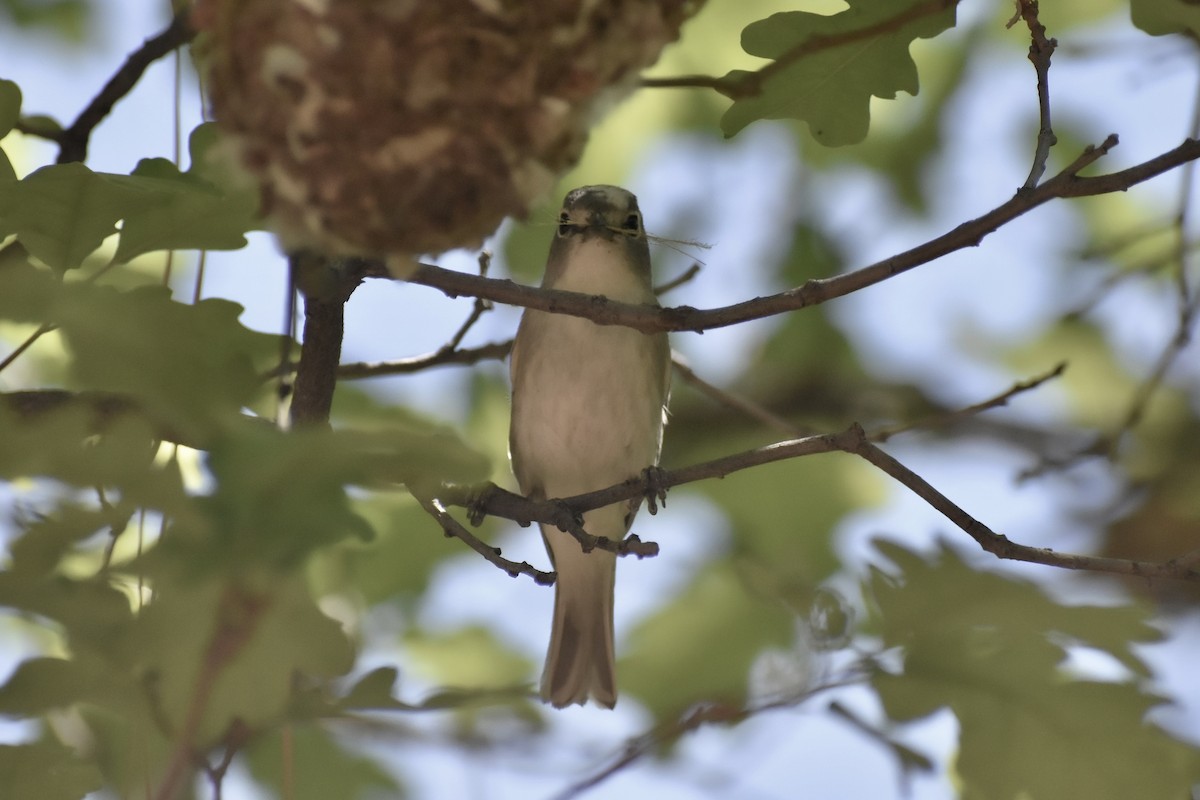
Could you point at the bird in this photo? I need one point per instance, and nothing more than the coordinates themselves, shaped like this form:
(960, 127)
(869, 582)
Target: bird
(588, 411)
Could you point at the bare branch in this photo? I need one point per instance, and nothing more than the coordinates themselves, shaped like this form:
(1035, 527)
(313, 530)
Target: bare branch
(1187, 301)
(490, 499)
(1040, 51)
(680, 280)
(882, 435)
(736, 402)
(326, 286)
(853, 440)
(453, 355)
(565, 513)
(648, 319)
(480, 307)
(73, 141)
(453, 529)
(693, 719)
(496, 351)
(1187, 307)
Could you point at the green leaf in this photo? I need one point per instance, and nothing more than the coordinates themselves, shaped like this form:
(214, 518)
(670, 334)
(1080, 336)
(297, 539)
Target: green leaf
(400, 445)
(62, 213)
(274, 631)
(193, 210)
(92, 612)
(46, 770)
(42, 685)
(7, 173)
(1162, 17)
(71, 20)
(63, 444)
(127, 742)
(279, 496)
(46, 127)
(712, 633)
(374, 691)
(189, 365)
(10, 106)
(399, 561)
(319, 767)
(39, 685)
(991, 649)
(831, 89)
(791, 550)
(44, 541)
(468, 658)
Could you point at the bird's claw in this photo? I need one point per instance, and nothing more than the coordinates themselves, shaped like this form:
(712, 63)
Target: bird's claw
(656, 488)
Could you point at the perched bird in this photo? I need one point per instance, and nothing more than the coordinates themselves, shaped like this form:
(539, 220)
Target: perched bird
(588, 410)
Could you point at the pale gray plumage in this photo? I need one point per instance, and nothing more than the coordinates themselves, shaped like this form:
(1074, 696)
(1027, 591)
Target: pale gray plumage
(588, 412)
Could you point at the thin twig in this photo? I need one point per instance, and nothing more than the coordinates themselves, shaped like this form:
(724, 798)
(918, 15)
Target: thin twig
(649, 319)
(480, 307)
(1187, 299)
(938, 420)
(452, 354)
(736, 402)
(496, 351)
(1188, 306)
(854, 440)
(20, 349)
(696, 717)
(452, 528)
(1040, 51)
(238, 735)
(675, 283)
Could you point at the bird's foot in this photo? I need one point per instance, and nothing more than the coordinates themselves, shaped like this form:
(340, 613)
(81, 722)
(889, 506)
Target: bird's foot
(656, 488)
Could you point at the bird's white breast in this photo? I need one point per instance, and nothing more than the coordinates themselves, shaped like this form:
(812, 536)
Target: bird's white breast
(595, 417)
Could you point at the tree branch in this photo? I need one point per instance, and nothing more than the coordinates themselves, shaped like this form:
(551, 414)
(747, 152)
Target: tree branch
(1040, 51)
(648, 319)
(1187, 300)
(938, 420)
(565, 513)
(496, 351)
(733, 401)
(452, 354)
(73, 141)
(326, 286)
(453, 529)
(853, 440)
(694, 718)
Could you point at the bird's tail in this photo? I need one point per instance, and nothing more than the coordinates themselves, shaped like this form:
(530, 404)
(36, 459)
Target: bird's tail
(580, 662)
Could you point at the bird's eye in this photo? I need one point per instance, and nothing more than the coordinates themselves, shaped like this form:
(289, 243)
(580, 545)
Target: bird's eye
(564, 224)
(633, 223)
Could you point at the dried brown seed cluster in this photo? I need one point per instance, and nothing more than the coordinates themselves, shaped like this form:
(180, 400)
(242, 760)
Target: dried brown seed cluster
(392, 127)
